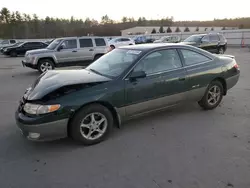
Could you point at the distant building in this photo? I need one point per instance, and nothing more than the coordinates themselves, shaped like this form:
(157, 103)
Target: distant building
(147, 30)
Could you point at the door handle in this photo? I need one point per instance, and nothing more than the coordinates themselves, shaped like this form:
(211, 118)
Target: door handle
(182, 79)
(74, 51)
(91, 49)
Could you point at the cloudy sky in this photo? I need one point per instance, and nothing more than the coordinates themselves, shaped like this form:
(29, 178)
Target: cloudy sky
(115, 9)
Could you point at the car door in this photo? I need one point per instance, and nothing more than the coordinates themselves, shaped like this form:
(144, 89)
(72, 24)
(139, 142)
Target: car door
(67, 52)
(86, 50)
(21, 50)
(214, 43)
(205, 43)
(199, 70)
(162, 86)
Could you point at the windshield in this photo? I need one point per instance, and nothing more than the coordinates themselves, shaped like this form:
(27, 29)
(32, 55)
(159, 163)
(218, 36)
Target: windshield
(54, 44)
(194, 38)
(114, 63)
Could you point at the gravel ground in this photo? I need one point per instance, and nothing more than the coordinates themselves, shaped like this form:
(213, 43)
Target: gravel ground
(183, 147)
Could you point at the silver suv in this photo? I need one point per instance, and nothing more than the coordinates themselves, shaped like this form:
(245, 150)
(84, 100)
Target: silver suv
(70, 51)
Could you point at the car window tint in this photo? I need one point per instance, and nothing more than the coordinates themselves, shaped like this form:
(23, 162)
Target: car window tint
(159, 61)
(213, 38)
(85, 43)
(69, 44)
(12, 41)
(205, 38)
(100, 42)
(192, 57)
(28, 44)
(125, 39)
(222, 38)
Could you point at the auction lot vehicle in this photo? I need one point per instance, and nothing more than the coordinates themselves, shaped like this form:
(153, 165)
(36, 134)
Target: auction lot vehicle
(120, 41)
(22, 48)
(123, 84)
(168, 39)
(142, 39)
(13, 45)
(69, 51)
(214, 42)
(6, 43)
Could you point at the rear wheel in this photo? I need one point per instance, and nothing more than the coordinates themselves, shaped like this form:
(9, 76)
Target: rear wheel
(221, 50)
(91, 124)
(45, 65)
(112, 47)
(213, 96)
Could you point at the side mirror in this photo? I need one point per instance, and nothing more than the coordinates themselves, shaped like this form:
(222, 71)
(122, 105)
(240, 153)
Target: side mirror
(137, 74)
(60, 48)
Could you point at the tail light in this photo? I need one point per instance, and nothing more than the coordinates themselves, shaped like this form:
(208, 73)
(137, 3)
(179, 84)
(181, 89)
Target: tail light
(236, 66)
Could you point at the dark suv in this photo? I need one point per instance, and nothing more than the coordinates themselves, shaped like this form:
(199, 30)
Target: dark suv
(214, 43)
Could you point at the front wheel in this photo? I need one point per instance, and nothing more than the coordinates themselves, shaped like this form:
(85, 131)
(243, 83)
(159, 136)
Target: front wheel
(45, 65)
(91, 124)
(213, 96)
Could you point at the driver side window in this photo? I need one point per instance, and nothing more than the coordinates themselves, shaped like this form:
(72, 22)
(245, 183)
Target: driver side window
(160, 61)
(69, 44)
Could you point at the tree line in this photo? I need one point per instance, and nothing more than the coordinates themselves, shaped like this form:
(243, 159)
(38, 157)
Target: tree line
(22, 25)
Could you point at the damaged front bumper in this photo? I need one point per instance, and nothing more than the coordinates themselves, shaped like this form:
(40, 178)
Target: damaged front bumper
(33, 128)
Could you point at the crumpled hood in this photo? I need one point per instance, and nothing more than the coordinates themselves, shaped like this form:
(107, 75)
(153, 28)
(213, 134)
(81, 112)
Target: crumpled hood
(39, 51)
(55, 79)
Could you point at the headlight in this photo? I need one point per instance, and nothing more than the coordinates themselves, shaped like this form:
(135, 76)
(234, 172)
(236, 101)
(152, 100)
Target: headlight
(40, 109)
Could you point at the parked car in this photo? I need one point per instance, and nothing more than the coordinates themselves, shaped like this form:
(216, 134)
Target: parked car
(214, 42)
(66, 52)
(6, 43)
(125, 83)
(142, 39)
(13, 45)
(168, 39)
(23, 48)
(120, 41)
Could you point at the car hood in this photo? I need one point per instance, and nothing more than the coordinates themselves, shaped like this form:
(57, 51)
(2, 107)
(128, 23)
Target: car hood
(39, 51)
(55, 79)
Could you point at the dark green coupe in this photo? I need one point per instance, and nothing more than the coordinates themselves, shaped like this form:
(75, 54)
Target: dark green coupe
(123, 84)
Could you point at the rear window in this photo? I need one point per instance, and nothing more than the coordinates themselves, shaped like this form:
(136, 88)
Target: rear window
(222, 38)
(100, 42)
(85, 43)
(213, 38)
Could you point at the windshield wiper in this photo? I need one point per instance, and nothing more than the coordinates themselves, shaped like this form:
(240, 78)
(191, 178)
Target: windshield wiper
(93, 70)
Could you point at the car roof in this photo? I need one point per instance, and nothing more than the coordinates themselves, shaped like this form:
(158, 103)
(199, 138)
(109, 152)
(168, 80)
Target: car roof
(151, 46)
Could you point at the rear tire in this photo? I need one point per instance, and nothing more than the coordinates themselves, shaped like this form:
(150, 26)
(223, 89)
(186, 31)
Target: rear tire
(221, 50)
(112, 47)
(45, 65)
(91, 125)
(213, 96)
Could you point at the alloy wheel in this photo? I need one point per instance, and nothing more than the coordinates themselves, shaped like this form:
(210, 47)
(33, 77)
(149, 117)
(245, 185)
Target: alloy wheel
(93, 126)
(46, 66)
(214, 95)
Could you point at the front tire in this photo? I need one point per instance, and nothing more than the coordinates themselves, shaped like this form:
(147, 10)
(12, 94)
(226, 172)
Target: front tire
(44, 65)
(213, 96)
(91, 125)
(13, 54)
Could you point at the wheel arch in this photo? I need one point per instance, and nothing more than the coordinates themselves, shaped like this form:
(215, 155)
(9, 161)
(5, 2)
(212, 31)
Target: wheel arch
(50, 58)
(110, 107)
(223, 82)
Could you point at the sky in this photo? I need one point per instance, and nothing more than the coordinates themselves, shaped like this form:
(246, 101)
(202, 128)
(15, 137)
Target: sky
(116, 9)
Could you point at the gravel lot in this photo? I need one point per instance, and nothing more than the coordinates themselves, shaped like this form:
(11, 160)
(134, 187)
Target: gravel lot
(184, 147)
